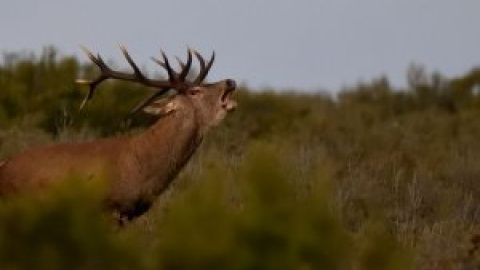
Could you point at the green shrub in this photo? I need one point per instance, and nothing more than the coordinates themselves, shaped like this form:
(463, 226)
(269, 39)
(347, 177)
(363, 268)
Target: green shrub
(63, 228)
(254, 217)
(257, 217)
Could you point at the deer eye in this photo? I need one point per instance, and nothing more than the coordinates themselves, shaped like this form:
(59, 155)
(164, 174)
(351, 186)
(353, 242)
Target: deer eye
(194, 91)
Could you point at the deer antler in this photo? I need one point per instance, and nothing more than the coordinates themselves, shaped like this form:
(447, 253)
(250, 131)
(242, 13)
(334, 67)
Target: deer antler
(176, 80)
(108, 73)
(203, 68)
(185, 67)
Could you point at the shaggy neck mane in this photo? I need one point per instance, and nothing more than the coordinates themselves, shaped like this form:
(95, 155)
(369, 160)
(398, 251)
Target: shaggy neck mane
(166, 146)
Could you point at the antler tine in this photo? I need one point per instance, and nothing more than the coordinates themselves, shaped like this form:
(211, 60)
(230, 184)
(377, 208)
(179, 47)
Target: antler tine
(92, 84)
(200, 59)
(185, 67)
(162, 64)
(95, 59)
(157, 61)
(171, 73)
(180, 62)
(130, 61)
(203, 68)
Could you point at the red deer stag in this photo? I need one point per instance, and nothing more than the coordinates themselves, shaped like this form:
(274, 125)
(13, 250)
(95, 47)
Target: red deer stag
(140, 167)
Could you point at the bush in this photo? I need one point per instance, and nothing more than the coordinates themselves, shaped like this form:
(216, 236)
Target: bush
(63, 228)
(256, 217)
(400, 162)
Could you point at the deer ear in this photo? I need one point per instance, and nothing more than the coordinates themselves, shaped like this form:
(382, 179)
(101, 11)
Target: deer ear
(161, 107)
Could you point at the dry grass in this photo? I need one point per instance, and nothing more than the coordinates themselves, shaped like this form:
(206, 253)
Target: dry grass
(398, 170)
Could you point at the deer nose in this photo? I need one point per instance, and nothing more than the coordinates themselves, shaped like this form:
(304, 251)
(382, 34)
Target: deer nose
(231, 84)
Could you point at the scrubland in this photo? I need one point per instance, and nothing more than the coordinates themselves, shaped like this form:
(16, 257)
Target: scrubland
(374, 177)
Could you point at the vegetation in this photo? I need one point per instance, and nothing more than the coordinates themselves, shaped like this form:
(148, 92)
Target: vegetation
(372, 178)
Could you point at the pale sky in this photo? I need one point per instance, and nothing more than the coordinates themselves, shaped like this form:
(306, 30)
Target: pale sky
(305, 44)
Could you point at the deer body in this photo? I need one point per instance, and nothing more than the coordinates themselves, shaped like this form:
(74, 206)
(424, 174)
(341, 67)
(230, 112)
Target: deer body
(137, 168)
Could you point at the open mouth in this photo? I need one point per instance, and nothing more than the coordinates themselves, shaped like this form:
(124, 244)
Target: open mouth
(227, 103)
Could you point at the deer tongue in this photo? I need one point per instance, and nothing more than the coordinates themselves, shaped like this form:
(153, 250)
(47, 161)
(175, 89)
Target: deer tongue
(229, 105)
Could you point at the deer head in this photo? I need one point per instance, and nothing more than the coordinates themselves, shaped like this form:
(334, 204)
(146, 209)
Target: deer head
(209, 102)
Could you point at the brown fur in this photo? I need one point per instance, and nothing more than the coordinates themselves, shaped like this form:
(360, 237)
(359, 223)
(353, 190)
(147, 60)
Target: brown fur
(138, 168)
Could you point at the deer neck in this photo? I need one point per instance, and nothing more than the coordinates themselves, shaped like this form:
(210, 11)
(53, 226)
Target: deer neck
(163, 149)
